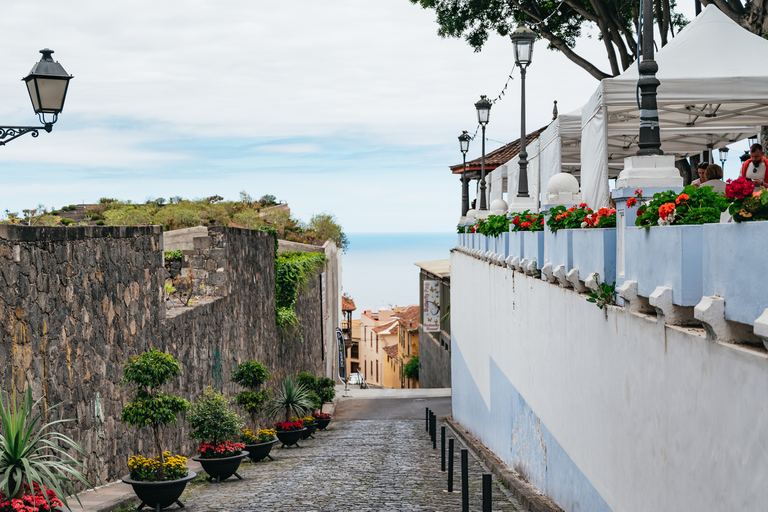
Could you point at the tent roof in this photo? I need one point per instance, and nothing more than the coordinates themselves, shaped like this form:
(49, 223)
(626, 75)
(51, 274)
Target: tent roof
(697, 108)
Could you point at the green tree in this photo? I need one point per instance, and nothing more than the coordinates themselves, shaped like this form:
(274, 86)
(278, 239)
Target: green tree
(411, 369)
(212, 420)
(560, 23)
(327, 227)
(251, 375)
(150, 407)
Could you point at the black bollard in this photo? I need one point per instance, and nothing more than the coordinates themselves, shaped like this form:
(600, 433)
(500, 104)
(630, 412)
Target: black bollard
(486, 492)
(464, 481)
(434, 431)
(442, 448)
(427, 426)
(450, 465)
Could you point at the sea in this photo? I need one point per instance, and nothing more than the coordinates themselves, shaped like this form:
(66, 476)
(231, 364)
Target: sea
(379, 271)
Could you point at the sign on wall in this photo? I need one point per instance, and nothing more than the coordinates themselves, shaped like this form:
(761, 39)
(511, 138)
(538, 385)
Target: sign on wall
(431, 313)
(342, 354)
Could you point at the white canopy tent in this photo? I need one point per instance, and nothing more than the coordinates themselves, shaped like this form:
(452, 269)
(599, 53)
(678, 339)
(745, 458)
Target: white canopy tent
(698, 110)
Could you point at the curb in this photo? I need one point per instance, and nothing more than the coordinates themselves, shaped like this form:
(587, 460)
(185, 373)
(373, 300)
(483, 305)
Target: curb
(527, 495)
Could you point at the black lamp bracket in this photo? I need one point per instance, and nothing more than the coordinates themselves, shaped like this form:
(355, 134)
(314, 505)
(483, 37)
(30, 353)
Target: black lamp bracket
(8, 133)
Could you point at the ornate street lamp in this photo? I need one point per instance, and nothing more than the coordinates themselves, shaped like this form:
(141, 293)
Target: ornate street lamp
(483, 112)
(47, 85)
(723, 154)
(464, 139)
(522, 40)
(649, 141)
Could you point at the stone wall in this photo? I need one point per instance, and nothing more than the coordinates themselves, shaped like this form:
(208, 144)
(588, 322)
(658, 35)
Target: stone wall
(76, 302)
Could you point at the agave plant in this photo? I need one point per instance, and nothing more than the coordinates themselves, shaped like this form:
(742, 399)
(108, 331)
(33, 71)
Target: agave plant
(36, 454)
(293, 399)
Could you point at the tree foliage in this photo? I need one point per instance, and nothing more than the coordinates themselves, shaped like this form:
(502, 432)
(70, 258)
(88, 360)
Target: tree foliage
(211, 418)
(326, 227)
(560, 23)
(411, 368)
(251, 375)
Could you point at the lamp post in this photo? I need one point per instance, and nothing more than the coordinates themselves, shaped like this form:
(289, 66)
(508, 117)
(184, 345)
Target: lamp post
(483, 112)
(523, 39)
(47, 85)
(464, 139)
(723, 154)
(649, 141)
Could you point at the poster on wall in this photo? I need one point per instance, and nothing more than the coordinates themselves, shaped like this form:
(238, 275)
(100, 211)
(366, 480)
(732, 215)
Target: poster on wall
(431, 313)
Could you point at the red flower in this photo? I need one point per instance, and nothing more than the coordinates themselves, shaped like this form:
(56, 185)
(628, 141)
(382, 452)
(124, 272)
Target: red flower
(516, 220)
(739, 189)
(639, 192)
(583, 205)
(666, 209)
(631, 201)
(525, 224)
(640, 211)
(681, 198)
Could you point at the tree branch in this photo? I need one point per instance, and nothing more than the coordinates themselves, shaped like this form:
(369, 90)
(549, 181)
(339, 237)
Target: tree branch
(571, 55)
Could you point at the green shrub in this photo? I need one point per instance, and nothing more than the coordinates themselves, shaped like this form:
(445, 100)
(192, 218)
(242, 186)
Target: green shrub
(292, 272)
(172, 255)
(100, 222)
(251, 375)
(411, 368)
(250, 219)
(54, 212)
(72, 207)
(212, 420)
(130, 215)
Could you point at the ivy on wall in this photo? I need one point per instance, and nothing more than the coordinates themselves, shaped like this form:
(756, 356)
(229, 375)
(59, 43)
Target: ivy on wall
(292, 272)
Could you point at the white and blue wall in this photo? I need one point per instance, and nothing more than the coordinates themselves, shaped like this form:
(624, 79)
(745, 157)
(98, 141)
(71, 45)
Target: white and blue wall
(605, 410)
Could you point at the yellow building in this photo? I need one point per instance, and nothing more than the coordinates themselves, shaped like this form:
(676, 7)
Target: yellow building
(408, 341)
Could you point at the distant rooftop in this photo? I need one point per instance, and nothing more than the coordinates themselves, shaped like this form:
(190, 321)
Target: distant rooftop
(439, 268)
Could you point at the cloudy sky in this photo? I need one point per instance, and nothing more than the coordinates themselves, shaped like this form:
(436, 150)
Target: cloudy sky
(345, 106)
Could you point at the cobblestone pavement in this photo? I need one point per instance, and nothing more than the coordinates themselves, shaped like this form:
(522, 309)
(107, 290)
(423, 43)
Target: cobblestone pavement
(353, 466)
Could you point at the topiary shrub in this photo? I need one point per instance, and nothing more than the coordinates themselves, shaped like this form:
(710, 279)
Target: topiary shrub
(251, 375)
(212, 420)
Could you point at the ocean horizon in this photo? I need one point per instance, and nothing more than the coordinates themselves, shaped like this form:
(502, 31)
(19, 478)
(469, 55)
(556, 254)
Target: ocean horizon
(378, 269)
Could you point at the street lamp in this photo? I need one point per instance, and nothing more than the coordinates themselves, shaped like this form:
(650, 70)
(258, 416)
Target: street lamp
(522, 40)
(649, 141)
(47, 85)
(723, 154)
(464, 139)
(483, 112)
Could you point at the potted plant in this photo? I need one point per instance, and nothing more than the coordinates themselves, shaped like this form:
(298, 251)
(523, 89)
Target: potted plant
(213, 422)
(158, 483)
(34, 460)
(258, 443)
(322, 419)
(292, 399)
(251, 375)
(309, 426)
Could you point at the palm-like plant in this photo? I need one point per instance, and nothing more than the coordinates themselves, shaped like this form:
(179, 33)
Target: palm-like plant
(36, 454)
(293, 399)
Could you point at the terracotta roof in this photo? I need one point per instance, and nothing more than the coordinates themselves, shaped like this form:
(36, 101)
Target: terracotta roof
(391, 351)
(497, 157)
(347, 304)
(409, 317)
(385, 327)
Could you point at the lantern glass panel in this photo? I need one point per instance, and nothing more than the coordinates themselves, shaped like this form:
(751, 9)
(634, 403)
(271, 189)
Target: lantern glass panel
(47, 94)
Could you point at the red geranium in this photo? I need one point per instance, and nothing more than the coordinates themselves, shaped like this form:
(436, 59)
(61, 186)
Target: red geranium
(631, 201)
(321, 415)
(225, 449)
(30, 502)
(289, 425)
(739, 189)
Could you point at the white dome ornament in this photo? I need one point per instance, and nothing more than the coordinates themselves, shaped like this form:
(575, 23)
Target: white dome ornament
(563, 188)
(498, 207)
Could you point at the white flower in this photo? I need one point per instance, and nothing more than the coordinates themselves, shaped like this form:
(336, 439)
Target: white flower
(584, 225)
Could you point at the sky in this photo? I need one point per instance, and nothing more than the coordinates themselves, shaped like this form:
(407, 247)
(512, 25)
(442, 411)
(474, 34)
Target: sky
(351, 107)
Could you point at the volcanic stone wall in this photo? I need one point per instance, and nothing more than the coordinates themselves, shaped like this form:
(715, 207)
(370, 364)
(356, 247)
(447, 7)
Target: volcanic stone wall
(76, 302)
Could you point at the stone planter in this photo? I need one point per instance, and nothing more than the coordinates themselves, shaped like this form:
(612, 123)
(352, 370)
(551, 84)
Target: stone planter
(221, 469)
(594, 251)
(257, 452)
(323, 423)
(159, 495)
(290, 437)
(728, 250)
(533, 247)
(309, 430)
(669, 256)
(515, 247)
(559, 248)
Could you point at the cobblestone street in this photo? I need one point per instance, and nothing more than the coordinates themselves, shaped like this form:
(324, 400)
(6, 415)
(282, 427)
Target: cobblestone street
(362, 465)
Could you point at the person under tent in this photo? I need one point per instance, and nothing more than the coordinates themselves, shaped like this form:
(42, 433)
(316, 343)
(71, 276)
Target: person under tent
(713, 178)
(755, 168)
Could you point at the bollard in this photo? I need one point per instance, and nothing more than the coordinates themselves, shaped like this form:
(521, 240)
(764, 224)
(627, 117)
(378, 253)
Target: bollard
(464, 480)
(442, 448)
(450, 465)
(428, 413)
(434, 431)
(486, 492)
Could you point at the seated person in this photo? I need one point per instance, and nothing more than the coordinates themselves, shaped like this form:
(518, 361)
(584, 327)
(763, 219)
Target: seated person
(713, 177)
(755, 168)
(701, 170)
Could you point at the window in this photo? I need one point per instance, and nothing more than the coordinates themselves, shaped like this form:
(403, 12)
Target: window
(377, 370)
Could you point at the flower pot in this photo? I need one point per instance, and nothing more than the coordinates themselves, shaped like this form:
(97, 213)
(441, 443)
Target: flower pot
(533, 247)
(559, 248)
(728, 250)
(310, 429)
(515, 247)
(322, 423)
(221, 469)
(257, 452)
(669, 256)
(594, 251)
(159, 495)
(290, 437)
